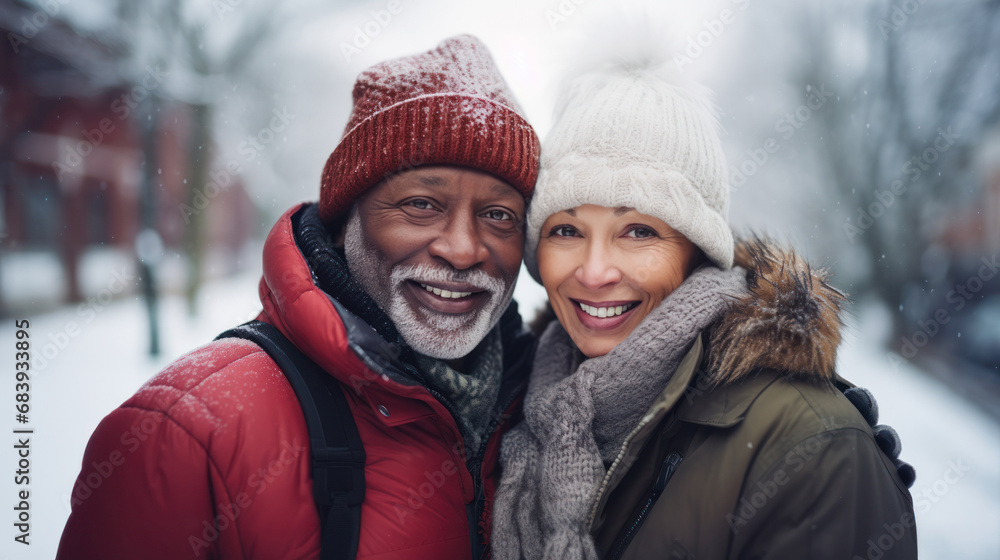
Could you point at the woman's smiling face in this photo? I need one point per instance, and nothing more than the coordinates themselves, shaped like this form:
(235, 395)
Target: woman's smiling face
(606, 269)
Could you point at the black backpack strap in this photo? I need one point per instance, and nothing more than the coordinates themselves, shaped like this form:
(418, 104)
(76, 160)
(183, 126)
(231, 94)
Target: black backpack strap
(338, 456)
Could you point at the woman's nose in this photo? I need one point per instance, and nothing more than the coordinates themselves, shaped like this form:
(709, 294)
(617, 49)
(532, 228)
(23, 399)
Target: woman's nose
(598, 268)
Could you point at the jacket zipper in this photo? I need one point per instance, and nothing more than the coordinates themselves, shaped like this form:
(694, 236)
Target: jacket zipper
(666, 471)
(477, 472)
(478, 463)
(614, 466)
(470, 513)
(472, 509)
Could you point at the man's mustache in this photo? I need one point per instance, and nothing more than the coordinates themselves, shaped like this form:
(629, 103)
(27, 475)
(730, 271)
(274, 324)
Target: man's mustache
(427, 274)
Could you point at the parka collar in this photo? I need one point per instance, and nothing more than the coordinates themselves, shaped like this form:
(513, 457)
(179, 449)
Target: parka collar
(721, 406)
(698, 400)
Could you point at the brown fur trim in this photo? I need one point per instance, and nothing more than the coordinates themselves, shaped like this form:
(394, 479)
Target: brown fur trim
(790, 319)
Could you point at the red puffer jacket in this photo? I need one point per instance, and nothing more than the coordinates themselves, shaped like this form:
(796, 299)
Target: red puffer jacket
(210, 458)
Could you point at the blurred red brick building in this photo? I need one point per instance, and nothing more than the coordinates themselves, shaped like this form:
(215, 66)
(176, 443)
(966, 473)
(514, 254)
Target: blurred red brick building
(72, 151)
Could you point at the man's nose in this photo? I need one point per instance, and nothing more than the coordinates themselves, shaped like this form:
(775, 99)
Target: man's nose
(460, 243)
(598, 268)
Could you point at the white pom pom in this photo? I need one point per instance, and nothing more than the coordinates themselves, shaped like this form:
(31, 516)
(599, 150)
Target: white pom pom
(638, 44)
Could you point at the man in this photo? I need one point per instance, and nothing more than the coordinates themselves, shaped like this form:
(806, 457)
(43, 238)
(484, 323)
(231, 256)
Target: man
(398, 284)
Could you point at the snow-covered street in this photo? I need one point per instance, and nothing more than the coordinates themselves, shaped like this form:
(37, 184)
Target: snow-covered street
(955, 449)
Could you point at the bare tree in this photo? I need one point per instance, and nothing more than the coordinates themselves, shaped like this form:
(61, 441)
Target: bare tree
(899, 143)
(206, 48)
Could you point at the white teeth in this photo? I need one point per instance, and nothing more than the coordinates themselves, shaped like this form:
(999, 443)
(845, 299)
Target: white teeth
(605, 311)
(445, 293)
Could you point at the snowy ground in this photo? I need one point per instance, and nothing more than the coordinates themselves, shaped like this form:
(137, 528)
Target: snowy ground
(89, 373)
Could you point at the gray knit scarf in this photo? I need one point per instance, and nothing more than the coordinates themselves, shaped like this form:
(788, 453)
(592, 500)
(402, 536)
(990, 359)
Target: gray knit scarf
(577, 414)
(474, 394)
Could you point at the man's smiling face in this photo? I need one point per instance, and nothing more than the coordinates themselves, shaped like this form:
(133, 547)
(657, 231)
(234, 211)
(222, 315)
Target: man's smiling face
(439, 249)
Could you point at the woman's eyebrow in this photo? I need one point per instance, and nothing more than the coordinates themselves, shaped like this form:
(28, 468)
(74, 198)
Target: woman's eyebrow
(622, 210)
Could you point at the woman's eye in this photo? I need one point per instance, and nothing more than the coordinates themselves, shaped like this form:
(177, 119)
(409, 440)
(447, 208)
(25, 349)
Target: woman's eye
(641, 232)
(563, 231)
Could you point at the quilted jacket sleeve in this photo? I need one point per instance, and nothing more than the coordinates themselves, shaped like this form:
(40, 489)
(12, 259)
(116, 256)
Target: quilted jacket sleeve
(145, 491)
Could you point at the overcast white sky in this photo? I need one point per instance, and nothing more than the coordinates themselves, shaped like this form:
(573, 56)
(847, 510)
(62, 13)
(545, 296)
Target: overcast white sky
(534, 42)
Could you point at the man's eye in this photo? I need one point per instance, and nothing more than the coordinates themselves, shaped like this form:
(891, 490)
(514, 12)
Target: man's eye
(420, 204)
(563, 231)
(499, 215)
(641, 232)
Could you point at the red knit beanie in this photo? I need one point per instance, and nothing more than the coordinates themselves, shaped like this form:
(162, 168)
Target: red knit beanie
(446, 106)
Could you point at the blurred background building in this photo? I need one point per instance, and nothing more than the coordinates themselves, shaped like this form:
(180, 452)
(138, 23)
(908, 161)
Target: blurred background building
(78, 147)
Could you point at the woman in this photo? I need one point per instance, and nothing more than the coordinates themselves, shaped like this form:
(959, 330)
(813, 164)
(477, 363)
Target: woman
(681, 407)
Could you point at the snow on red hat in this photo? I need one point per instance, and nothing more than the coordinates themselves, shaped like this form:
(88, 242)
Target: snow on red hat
(446, 106)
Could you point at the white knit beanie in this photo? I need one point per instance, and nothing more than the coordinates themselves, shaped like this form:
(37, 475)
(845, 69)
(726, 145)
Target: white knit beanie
(637, 136)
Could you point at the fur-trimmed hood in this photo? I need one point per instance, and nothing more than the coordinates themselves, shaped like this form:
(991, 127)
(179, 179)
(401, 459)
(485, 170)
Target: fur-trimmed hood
(789, 320)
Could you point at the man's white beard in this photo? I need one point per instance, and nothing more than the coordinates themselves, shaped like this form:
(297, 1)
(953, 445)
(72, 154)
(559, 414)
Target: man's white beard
(438, 335)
